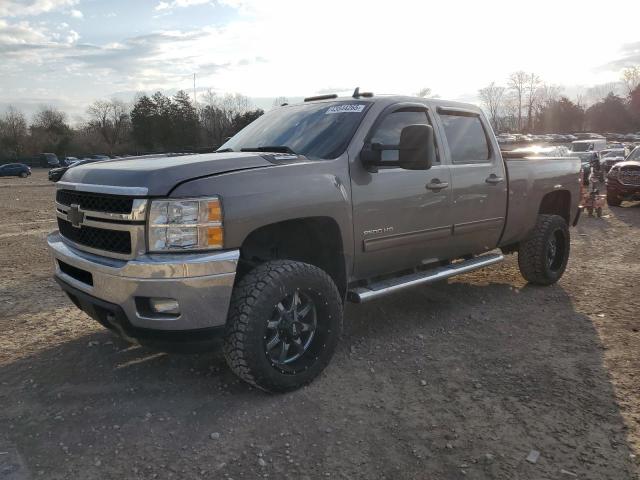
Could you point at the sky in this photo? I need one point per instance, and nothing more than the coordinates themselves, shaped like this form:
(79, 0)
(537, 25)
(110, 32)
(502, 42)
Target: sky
(68, 53)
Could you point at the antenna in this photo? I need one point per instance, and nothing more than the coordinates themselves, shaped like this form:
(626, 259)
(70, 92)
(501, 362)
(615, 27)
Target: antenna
(356, 92)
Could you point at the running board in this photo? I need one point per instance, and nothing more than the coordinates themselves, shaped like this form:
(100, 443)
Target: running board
(392, 285)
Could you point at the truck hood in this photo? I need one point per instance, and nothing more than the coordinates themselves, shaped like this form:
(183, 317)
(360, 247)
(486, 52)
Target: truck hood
(160, 174)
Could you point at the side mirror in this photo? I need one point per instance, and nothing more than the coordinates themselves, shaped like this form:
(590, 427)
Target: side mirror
(417, 149)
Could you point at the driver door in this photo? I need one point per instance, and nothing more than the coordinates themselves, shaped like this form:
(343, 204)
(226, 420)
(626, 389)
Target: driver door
(401, 217)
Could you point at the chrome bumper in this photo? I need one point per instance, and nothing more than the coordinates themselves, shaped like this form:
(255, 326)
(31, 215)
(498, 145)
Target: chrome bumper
(201, 283)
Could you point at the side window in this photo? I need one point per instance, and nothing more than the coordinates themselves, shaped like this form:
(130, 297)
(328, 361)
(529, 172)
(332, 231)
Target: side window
(466, 138)
(388, 131)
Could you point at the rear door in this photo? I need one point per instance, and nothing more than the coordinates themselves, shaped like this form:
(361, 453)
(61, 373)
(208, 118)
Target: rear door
(479, 183)
(401, 217)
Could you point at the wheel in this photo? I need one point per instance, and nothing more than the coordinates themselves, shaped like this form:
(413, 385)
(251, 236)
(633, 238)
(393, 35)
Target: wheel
(23, 174)
(285, 320)
(599, 212)
(543, 256)
(613, 201)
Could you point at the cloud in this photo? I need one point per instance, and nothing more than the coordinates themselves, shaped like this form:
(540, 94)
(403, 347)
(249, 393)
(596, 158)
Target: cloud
(18, 8)
(180, 4)
(76, 14)
(630, 57)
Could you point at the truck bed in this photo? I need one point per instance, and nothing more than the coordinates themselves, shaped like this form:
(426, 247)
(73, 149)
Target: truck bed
(530, 179)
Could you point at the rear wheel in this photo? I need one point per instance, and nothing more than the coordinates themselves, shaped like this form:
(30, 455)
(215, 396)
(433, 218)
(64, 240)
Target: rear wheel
(543, 257)
(284, 324)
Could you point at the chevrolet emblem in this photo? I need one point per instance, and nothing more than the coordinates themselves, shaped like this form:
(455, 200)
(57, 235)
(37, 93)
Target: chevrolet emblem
(75, 216)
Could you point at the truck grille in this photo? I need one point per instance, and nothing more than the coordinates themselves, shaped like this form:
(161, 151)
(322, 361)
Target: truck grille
(96, 202)
(116, 241)
(630, 176)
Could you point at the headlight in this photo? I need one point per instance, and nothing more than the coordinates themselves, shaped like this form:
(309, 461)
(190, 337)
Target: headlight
(185, 224)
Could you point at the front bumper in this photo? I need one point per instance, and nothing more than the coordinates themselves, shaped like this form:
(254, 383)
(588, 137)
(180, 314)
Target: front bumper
(622, 191)
(201, 283)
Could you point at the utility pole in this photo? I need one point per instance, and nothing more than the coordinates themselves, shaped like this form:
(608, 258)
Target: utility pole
(195, 102)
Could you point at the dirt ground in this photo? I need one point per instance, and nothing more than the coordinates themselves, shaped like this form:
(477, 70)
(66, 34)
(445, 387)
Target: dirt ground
(459, 380)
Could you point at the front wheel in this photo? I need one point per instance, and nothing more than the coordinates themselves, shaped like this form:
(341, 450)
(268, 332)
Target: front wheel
(543, 256)
(285, 320)
(23, 174)
(613, 201)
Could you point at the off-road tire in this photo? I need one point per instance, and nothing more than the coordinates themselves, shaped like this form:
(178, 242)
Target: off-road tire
(533, 253)
(613, 201)
(252, 304)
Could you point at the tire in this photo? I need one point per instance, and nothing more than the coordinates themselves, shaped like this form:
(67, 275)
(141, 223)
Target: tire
(261, 313)
(613, 201)
(543, 256)
(23, 174)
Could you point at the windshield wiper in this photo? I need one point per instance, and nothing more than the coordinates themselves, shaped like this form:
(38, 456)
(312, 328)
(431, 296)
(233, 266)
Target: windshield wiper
(269, 148)
(225, 150)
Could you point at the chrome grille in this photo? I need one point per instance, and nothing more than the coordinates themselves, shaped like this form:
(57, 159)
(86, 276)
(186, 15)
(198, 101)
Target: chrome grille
(630, 176)
(104, 224)
(96, 202)
(115, 241)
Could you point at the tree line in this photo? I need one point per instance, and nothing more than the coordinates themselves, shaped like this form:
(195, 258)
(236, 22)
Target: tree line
(152, 123)
(526, 104)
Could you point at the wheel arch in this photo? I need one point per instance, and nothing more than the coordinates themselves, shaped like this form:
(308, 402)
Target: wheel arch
(557, 202)
(313, 240)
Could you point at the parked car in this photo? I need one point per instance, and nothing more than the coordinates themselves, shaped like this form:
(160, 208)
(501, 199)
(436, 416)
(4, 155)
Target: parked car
(15, 170)
(623, 182)
(55, 174)
(505, 138)
(49, 160)
(66, 161)
(611, 156)
(194, 247)
(585, 148)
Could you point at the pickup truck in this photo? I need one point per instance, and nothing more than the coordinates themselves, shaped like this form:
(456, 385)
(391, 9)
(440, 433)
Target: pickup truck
(311, 205)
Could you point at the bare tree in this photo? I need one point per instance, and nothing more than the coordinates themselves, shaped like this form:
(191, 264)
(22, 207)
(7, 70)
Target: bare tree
(598, 92)
(531, 88)
(631, 78)
(111, 119)
(13, 131)
(424, 92)
(278, 101)
(518, 84)
(492, 97)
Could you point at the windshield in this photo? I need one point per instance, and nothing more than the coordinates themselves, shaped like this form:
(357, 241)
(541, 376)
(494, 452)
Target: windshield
(319, 131)
(582, 147)
(635, 155)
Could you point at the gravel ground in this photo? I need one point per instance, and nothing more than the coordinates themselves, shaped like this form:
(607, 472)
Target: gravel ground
(476, 378)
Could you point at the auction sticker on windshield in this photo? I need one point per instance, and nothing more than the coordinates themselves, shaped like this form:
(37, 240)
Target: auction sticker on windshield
(346, 108)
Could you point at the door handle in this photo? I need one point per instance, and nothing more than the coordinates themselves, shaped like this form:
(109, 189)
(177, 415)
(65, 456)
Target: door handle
(436, 184)
(493, 179)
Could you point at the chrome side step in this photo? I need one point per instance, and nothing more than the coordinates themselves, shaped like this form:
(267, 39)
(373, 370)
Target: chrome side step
(392, 285)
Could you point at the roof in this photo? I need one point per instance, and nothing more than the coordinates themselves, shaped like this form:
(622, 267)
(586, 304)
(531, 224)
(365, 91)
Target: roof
(391, 99)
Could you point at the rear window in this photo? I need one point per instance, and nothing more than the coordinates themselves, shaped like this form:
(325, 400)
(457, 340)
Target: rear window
(466, 138)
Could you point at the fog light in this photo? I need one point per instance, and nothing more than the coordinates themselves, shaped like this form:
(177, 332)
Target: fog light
(164, 305)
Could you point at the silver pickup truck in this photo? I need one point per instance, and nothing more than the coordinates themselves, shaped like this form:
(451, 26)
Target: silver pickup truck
(331, 200)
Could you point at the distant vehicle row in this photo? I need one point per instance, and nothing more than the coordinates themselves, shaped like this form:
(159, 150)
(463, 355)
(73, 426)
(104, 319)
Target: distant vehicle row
(507, 138)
